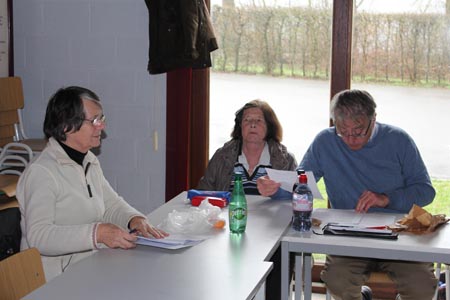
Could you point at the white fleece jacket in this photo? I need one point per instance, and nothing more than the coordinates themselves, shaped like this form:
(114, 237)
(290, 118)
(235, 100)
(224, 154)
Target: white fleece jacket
(59, 217)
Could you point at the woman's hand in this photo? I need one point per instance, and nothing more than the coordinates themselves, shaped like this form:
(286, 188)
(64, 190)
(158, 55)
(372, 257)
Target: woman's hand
(142, 227)
(115, 237)
(266, 186)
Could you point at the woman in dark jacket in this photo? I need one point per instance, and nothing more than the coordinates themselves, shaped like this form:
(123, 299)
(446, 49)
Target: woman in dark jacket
(254, 146)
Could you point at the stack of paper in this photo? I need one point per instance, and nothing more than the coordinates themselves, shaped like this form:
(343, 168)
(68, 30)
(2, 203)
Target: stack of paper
(337, 226)
(356, 231)
(169, 242)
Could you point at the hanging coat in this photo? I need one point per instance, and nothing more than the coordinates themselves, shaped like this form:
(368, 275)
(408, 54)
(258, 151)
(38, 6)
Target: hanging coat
(181, 35)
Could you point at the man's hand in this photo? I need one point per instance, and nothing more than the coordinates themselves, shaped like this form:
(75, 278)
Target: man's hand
(370, 199)
(266, 186)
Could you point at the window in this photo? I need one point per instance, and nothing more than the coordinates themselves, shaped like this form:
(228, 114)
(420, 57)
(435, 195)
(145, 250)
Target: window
(280, 53)
(401, 55)
(273, 53)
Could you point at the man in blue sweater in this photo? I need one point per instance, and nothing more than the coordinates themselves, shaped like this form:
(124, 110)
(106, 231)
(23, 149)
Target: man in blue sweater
(367, 166)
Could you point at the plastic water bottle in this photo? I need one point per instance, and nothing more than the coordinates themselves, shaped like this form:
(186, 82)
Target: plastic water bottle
(302, 205)
(237, 208)
(299, 172)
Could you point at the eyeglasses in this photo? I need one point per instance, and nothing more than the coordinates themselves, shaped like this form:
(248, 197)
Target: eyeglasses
(97, 121)
(357, 132)
(251, 121)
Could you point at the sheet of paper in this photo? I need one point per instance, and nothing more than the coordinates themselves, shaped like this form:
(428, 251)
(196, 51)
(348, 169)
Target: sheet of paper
(288, 178)
(339, 216)
(379, 219)
(348, 217)
(172, 242)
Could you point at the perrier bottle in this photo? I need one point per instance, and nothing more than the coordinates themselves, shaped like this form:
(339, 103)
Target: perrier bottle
(237, 210)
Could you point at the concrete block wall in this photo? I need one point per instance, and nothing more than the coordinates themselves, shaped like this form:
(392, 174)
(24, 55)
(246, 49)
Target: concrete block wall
(101, 45)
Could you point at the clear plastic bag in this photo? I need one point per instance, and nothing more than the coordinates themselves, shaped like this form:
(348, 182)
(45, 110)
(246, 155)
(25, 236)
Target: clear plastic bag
(196, 220)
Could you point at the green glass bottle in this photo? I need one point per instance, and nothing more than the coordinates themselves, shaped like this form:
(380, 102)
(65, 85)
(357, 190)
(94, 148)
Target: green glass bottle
(237, 210)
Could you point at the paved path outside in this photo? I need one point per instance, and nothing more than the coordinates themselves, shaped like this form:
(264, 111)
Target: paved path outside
(303, 109)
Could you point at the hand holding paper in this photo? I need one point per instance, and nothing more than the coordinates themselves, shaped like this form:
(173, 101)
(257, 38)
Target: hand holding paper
(288, 178)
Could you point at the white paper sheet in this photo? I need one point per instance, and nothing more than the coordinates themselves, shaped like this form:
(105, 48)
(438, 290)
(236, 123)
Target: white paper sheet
(172, 242)
(341, 216)
(288, 178)
(348, 217)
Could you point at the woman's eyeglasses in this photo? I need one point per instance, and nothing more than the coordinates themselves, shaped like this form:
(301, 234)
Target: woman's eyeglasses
(97, 121)
(251, 121)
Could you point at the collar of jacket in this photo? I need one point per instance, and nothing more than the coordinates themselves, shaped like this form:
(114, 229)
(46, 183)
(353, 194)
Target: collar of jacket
(64, 159)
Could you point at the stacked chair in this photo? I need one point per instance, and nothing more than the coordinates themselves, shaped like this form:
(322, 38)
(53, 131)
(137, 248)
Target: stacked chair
(11, 121)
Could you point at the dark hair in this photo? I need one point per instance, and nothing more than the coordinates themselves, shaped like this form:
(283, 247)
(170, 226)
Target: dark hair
(274, 129)
(65, 111)
(352, 104)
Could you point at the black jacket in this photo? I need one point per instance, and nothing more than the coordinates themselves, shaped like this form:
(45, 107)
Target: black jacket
(181, 35)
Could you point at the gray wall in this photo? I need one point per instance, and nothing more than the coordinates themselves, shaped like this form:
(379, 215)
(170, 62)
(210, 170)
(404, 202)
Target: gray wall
(101, 45)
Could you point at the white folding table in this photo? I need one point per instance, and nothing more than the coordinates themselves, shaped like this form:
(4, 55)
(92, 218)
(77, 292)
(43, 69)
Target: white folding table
(223, 267)
(431, 247)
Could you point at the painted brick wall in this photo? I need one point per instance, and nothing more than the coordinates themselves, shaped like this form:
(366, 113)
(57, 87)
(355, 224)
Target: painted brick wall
(101, 45)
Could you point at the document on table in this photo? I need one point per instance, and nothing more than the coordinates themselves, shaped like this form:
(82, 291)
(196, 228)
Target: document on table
(347, 222)
(348, 217)
(288, 178)
(171, 242)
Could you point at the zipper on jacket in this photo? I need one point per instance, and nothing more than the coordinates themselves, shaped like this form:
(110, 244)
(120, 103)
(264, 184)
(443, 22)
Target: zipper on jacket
(87, 184)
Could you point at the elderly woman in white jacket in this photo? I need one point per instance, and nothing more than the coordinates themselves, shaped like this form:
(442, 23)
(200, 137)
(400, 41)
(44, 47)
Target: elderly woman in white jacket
(68, 207)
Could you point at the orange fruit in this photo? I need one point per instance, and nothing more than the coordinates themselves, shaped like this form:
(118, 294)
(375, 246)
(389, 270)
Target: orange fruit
(219, 224)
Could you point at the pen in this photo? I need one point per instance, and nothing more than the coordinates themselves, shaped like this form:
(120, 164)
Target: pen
(353, 226)
(376, 227)
(133, 230)
(341, 225)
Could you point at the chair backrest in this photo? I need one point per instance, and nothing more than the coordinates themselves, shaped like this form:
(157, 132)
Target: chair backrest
(14, 157)
(20, 274)
(11, 121)
(11, 100)
(12, 164)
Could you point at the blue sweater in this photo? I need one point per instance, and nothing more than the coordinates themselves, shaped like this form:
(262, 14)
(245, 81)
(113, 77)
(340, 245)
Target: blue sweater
(389, 163)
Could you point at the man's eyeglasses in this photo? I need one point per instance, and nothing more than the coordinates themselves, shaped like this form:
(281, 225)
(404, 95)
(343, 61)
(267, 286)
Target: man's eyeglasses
(97, 121)
(357, 132)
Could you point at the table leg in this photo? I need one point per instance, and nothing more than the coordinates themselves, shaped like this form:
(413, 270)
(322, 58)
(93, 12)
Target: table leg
(285, 271)
(303, 278)
(307, 266)
(447, 283)
(298, 276)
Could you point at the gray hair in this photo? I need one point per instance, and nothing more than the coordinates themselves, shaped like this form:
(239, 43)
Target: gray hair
(352, 104)
(88, 97)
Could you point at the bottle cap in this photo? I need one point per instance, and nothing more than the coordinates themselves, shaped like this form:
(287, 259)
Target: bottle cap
(302, 178)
